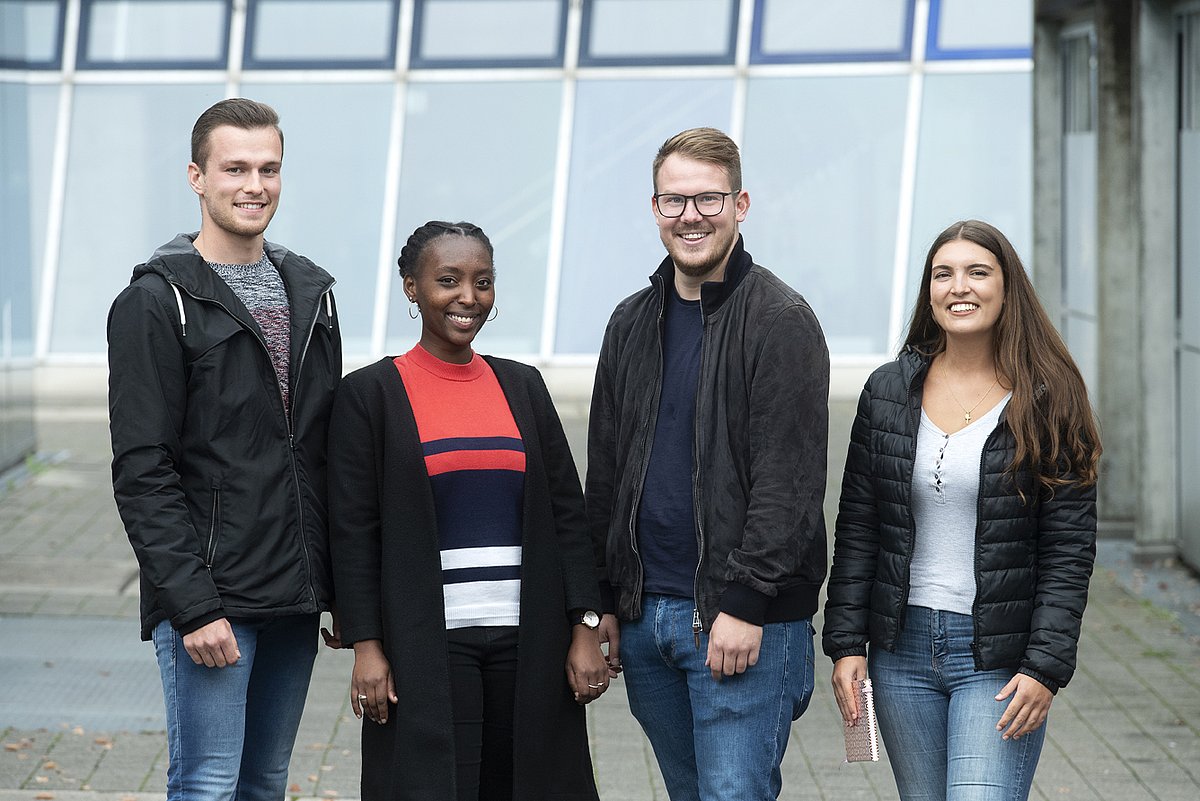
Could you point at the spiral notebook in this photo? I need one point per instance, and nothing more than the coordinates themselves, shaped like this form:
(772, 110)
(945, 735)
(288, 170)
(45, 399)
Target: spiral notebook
(862, 739)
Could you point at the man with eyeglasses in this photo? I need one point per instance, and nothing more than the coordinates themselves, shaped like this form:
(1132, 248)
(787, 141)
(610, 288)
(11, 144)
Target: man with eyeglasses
(706, 477)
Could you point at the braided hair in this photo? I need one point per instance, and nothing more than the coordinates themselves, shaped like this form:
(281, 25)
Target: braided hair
(410, 254)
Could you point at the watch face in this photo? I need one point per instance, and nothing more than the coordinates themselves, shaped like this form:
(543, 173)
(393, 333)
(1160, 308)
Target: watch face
(591, 619)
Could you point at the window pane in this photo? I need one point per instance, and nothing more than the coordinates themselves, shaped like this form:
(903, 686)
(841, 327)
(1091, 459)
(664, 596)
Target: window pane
(28, 122)
(1190, 73)
(158, 32)
(487, 31)
(132, 197)
(483, 152)
(344, 33)
(1079, 86)
(693, 31)
(982, 25)
(336, 139)
(1079, 222)
(814, 27)
(612, 242)
(29, 32)
(17, 270)
(972, 162)
(1189, 238)
(825, 190)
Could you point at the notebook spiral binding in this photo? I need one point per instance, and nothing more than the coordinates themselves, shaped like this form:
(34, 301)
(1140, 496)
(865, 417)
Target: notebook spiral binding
(862, 740)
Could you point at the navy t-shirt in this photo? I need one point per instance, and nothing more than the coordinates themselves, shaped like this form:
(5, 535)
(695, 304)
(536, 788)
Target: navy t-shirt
(667, 537)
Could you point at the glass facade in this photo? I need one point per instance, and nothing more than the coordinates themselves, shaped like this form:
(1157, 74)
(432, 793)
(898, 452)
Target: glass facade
(866, 127)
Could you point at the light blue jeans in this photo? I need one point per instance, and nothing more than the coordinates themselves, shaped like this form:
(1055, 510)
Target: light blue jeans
(938, 716)
(230, 730)
(735, 729)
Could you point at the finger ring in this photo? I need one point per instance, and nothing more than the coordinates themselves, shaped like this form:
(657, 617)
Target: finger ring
(596, 686)
(362, 697)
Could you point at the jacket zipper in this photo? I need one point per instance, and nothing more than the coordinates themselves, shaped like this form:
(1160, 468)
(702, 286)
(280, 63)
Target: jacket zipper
(975, 551)
(211, 554)
(697, 625)
(288, 413)
(652, 411)
(914, 423)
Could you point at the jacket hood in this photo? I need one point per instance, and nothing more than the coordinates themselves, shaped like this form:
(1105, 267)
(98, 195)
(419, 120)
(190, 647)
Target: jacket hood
(180, 263)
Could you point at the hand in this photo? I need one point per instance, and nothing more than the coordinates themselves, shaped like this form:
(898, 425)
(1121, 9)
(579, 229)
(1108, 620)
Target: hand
(847, 673)
(732, 646)
(610, 632)
(587, 671)
(213, 645)
(371, 684)
(333, 639)
(1028, 708)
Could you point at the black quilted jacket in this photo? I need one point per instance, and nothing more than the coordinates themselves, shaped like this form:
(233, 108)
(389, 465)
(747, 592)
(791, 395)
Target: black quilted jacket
(1033, 558)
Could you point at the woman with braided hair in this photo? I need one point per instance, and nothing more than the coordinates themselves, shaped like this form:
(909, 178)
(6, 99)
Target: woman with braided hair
(463, 573)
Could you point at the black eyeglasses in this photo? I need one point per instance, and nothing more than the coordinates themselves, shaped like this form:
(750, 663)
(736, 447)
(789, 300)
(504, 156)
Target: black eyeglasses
(709, 204)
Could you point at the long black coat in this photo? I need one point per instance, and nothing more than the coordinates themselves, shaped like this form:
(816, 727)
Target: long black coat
(1033, 557)
(387, 577)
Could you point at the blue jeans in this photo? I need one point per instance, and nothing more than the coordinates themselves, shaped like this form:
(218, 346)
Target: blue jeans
(938, 715)
(230, 730)
(736, 729)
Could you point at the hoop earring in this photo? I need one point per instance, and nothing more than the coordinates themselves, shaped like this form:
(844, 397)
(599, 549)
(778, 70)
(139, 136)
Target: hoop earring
(495, 314)
(414, 311)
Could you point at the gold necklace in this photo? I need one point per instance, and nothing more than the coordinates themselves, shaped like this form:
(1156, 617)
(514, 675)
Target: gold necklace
(967, 412)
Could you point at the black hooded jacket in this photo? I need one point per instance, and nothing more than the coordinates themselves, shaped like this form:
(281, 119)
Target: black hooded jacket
(222, 494)
(1033, 556)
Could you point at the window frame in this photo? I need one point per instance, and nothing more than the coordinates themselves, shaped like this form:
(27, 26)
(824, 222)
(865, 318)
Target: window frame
(55, 61)
(935, 53)
(85, 62)
(588, 59)
(417, 61)
(757, 56)
(251, 62)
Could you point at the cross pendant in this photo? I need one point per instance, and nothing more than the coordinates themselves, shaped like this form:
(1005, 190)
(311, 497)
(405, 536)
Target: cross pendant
(967, 418)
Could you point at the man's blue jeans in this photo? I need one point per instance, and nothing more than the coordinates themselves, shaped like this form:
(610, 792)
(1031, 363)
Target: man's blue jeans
(938, 716)
(230, 730)
(734, 729)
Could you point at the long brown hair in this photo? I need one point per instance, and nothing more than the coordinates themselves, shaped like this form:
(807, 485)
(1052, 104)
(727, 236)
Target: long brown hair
(1050, 416)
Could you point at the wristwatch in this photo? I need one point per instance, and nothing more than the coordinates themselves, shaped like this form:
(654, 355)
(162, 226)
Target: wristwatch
(587, 617)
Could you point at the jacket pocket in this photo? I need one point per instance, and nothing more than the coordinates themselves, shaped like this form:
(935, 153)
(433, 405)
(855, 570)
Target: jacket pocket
(214, 528)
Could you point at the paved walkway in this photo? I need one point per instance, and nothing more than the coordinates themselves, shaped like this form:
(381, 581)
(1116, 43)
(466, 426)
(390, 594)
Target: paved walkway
(81, 712)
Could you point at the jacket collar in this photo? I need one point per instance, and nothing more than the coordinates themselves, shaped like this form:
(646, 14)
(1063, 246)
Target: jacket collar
(713, 294)
(179, 263)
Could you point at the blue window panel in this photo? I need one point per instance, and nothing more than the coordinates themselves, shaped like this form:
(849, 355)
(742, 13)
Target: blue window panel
(310, 34)
(974, 29)
(488, 33)
(154, 34)
(485, 152)
(611, 242)
(972, 162)
(320, 215)
(805, 31)
(826, 192)
(31, 33)
(658, 32)
(132, 197)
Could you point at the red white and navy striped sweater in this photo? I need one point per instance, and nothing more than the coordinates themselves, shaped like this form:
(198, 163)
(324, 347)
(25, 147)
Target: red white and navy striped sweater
(476, 464)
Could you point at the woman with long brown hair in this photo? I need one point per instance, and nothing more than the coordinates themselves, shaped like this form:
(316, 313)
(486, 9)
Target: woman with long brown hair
(966, 532)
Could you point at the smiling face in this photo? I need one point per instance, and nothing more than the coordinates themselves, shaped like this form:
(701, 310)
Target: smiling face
(239, 185)
(453, 286)
(698, 245)
(966, 289)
